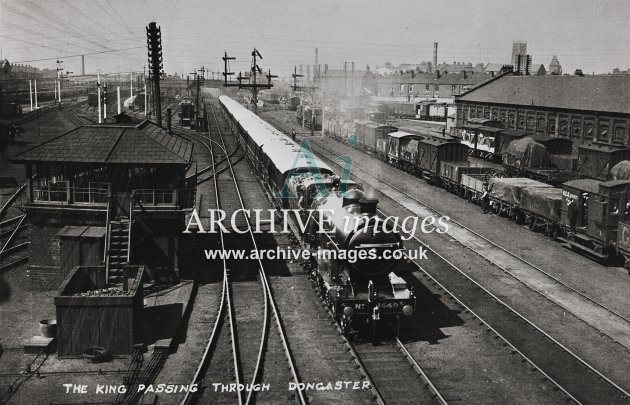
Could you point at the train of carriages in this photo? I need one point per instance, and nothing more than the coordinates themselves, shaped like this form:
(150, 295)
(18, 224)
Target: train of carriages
(186, 113)
(584, 203)
(364, 294)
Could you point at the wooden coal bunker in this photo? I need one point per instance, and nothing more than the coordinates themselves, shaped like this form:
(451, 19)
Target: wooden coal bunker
(113, 322)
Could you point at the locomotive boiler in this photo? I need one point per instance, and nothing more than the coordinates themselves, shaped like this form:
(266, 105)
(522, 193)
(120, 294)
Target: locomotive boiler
(357, 256)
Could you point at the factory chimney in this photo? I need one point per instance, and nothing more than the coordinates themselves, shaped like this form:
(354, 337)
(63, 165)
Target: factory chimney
(316, 69)
(345, 78)
(352, 81)
(435, 47)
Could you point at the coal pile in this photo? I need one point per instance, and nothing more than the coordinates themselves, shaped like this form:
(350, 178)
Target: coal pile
(102, 292)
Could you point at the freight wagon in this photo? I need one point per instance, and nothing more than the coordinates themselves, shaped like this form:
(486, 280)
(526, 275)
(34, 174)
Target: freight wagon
(422, 157)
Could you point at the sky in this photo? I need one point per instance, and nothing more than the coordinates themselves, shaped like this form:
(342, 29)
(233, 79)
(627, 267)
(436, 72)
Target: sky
(590, 35)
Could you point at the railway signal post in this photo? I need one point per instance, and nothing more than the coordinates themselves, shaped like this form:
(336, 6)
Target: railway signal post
(310, 91)
(252, 85)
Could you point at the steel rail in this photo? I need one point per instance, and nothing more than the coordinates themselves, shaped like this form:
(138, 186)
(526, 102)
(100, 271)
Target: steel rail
(11, 199)
(519, 315)
(494, 244)
(15, 232)
(267, 287)
(225, 301)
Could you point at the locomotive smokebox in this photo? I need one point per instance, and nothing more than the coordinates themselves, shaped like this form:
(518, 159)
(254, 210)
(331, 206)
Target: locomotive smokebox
(368, 205)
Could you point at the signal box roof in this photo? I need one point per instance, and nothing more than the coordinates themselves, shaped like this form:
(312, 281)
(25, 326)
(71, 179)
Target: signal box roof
(143, 144)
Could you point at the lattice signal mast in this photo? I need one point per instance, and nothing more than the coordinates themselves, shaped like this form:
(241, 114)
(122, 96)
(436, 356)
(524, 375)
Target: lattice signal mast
(154, 45)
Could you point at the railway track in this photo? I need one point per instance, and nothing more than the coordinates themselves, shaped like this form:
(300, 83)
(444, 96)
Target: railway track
(391, 372)
(10, 251)
(241, 297)
(395, 377)
(31, 369)
(608, 321)
(75, 113)
(579, 380)
(614, 316)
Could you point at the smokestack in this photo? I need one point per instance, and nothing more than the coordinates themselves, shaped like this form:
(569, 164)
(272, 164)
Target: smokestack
(352, 81)
(345, 78)
(368, 205)
(435, 47)
(82, 65)
(316, 63)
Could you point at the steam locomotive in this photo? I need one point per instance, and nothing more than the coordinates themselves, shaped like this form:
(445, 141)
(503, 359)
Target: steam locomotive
(359, 272)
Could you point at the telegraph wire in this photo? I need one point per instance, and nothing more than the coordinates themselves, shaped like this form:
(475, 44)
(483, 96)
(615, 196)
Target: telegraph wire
(81, 54)
(92, 19)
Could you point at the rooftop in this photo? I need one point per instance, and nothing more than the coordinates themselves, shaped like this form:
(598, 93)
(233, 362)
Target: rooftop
(609, 93)
(444, 79)
(144, 143)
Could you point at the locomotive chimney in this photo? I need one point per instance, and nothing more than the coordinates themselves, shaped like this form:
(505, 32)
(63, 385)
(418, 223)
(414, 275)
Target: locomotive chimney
(368, 205)
(352, 197)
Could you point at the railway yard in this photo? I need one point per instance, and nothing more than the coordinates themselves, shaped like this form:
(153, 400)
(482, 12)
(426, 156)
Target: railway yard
(243, 237)
(501, 312)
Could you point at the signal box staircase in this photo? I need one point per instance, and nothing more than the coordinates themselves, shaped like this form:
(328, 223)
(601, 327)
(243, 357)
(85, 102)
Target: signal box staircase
(119, 239)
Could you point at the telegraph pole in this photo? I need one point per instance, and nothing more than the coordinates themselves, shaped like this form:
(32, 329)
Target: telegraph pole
(59, 69)
(154, 44)
(200, 80)
(253, 85)
(98, 94)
